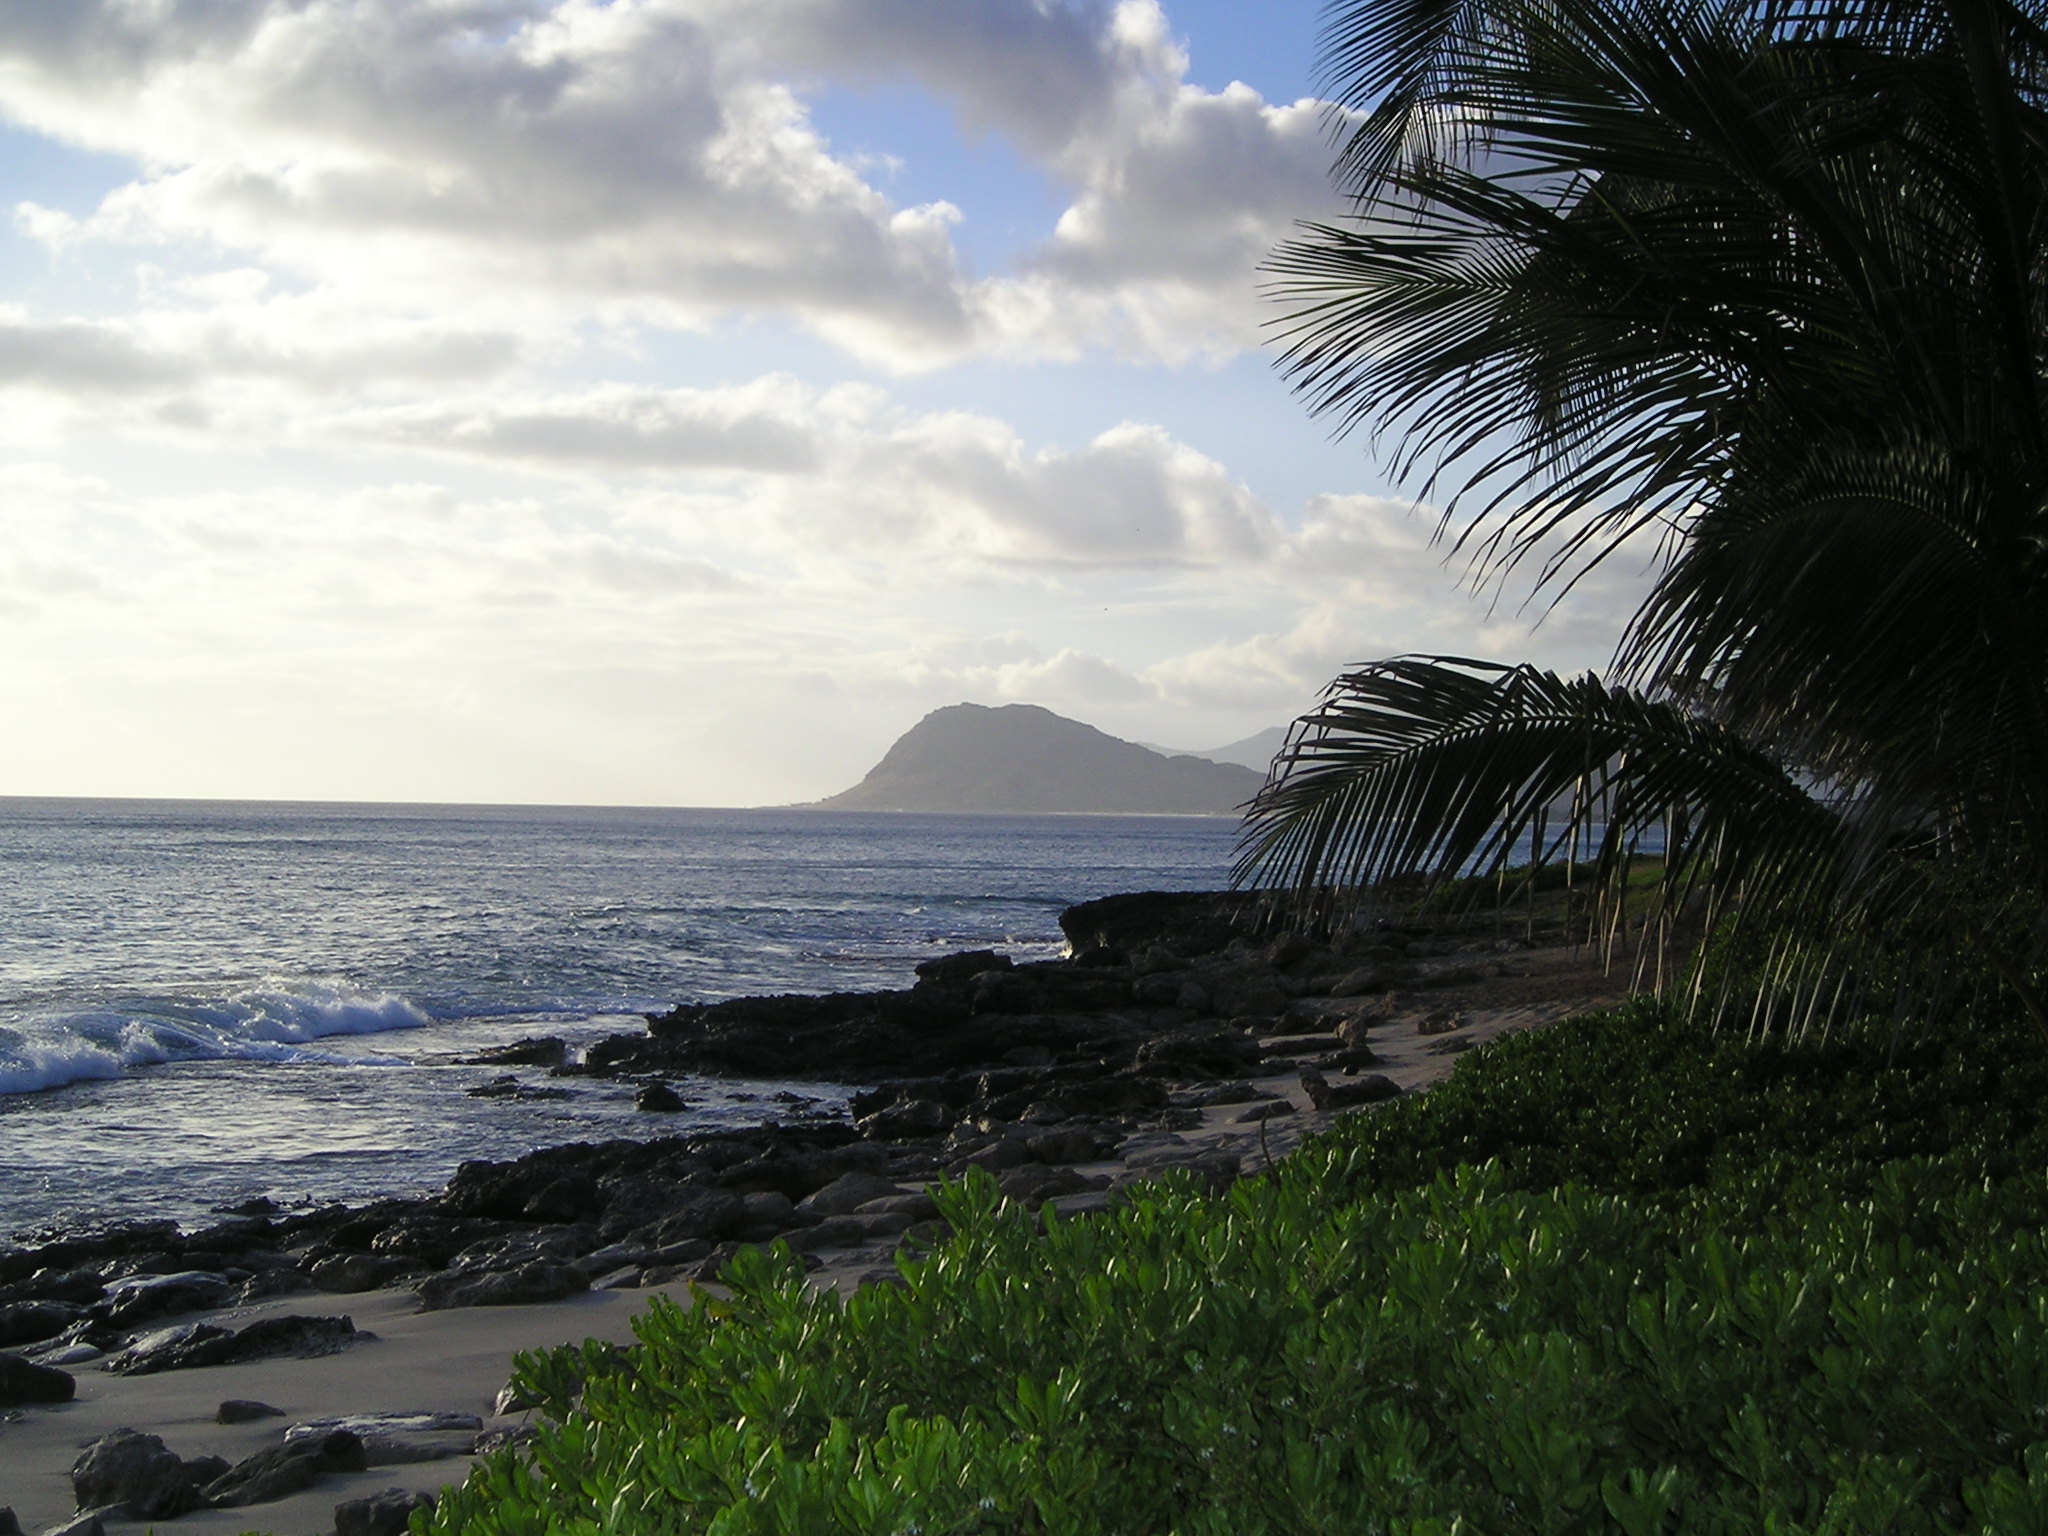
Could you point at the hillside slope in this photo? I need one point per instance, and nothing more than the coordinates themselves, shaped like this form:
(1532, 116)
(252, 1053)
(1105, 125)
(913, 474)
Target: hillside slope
(1020, 758)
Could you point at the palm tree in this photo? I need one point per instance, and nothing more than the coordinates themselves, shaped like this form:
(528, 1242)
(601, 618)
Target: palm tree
(1768, 281)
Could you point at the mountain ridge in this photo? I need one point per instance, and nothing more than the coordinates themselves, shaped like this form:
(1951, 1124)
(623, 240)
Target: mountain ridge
(1024, 759)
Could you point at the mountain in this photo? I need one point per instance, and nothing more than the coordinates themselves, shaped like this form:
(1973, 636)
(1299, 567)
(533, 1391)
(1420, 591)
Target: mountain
(968, 757)
(1254, 752)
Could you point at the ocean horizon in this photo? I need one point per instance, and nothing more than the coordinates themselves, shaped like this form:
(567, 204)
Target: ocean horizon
(203, 1001)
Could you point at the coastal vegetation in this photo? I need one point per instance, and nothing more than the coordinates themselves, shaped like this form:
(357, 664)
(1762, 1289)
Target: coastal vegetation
(1755, 290)
(1622, 1275)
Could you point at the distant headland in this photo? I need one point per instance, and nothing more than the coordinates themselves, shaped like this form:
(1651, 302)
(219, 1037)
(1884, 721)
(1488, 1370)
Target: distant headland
(1021, 758)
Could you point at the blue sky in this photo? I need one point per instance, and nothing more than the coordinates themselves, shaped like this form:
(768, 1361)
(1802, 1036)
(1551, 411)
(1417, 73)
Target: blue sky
(667, 401)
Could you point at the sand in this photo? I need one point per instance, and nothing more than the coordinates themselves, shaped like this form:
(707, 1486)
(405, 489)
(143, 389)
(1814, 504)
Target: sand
(457, 1361)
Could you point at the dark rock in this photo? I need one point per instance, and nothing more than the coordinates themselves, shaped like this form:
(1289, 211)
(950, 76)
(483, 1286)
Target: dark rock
(1102, 957)
(379, 1514)
(1360, 982)
(139, 1475)
(672, 1213)
(1076, 1145)
(1217, 1048)
(350, 1273)
(1289, 949)
(509, 1087)
(269, 1283)
(27, 1322)
(144, 1298)
(659, 1099)
(1350, 1061)
(962, 967)
(245, 1410)
(918, 1117)
(9, 1525)
(1047, 989)
(1272, 1109)
(389, 1439)
(574, 1196)
(535, 1051)
(1224, 1093)
(538, 1281)
(1192, 923)
(85, 1523)
(203, 1344)
(847, 1194)
(278, 1471)
(1326, 1096)
(23, 1381)
(1034, 1182)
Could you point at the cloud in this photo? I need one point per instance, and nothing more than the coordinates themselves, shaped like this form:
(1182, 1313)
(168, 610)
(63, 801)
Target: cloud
(652, 162)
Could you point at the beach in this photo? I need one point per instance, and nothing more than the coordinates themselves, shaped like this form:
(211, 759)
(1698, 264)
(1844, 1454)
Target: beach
(457, 1360)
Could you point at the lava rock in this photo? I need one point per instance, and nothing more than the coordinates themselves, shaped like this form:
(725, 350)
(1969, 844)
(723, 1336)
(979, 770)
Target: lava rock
(278, 1471)
(28, 1322)
(659, 1099)
(379, 1514)
(1325, 1095)
(537, 1281)
(23, 1381)
(144, 1298)
(242, 1410)
(962, 967)
(389, 1439)
(142, 1477)
(202, 1344)
(847, 1194)
(534, 1051)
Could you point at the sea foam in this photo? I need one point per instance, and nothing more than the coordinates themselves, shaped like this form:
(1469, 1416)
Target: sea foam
(273, 1021)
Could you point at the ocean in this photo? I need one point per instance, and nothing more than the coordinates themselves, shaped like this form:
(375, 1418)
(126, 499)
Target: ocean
(205, 1001)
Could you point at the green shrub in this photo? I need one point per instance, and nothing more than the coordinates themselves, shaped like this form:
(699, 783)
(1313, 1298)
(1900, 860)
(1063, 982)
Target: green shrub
(1573, 1290)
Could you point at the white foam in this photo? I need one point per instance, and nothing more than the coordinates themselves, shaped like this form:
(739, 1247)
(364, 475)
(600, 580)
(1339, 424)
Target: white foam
(274, 1021)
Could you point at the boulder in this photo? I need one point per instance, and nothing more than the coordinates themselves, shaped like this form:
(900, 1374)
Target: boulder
(537, 1281)
(1047, 989)
(85, 1523)
(1190, 922)
(244, 1410)
(676, 1211)
(143, 1478)
(534, 1051)
(202, 1344)
(379, 1514)
(349, 1274)
(1032, 1183)
(909, 1119)
(278, 1471)
(23, 1381)
(144, 1298)
(1215, 1049)
(1350, 1094)
(29, 1322)
(659, 1099)
(394, 1439)
(847, 1194)
(962, 967)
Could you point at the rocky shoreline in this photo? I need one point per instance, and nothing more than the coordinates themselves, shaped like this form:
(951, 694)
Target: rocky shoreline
(1186, 1030)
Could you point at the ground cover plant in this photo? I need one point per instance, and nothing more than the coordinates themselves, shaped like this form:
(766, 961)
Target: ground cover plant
(1537, 1299)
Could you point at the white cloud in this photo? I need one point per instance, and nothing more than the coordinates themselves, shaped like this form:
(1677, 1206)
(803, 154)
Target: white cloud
(652, 161)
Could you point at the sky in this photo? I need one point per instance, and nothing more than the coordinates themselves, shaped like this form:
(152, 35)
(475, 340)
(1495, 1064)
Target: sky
(669, 402)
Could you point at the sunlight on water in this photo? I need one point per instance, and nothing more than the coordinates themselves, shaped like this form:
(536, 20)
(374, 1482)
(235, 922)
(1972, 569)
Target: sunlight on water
(200, 1002)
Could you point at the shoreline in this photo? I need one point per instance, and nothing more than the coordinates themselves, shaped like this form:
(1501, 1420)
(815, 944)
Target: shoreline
(1222, 1123)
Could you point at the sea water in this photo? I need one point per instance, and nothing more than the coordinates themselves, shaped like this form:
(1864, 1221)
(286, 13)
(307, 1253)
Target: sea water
(204, 1001)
